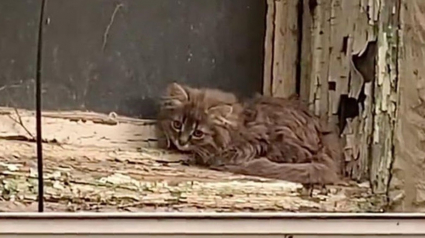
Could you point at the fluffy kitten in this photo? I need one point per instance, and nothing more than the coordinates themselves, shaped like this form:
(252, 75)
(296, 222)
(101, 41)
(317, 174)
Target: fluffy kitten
(269, 137)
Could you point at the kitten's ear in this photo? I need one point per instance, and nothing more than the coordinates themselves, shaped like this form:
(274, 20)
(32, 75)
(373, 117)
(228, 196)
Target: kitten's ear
(175, 95)
(222, 110)
(177, 91)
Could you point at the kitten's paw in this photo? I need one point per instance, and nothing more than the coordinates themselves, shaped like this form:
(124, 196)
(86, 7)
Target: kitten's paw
(189, 161)
(307, 190)
(215, 162)
(218, 168)
(185, 162)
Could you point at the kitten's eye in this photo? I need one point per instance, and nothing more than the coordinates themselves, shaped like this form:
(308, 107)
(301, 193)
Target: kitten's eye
(198, 133)
(177, 125)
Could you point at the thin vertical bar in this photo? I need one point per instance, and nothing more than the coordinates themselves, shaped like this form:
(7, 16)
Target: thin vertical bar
(38, 112)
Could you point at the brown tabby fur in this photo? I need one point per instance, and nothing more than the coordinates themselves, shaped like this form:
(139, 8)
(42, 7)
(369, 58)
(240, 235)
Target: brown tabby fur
(269, 137)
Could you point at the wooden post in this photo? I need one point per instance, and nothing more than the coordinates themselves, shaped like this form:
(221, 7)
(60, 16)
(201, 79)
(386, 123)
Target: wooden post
(385, 96)
(306, 54)
(407, 185)
(336, 50)
(281, 48)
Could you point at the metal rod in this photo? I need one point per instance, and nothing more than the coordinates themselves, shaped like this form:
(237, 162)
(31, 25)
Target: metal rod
(38, 112)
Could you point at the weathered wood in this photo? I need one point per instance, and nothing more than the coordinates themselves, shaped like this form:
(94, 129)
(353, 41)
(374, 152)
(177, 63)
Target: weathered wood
(285, 57)
(280, 76)
(358, 130)
(343, 56)
(99, 162)
(336, 35)
(321, 51)
(269, 48)
(407, 185)
(306, 52)
(79, 128)
(385, 96)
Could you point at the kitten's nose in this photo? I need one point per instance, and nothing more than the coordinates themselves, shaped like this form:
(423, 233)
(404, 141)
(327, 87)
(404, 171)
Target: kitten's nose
(183, 140)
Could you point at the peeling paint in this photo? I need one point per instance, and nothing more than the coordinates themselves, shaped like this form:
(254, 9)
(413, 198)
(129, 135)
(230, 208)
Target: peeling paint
(384, 109)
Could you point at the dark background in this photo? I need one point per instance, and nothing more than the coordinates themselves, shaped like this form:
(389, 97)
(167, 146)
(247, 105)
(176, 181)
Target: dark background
(150, 43)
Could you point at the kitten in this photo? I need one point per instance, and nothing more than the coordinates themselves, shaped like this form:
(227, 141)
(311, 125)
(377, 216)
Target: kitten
(268, 137)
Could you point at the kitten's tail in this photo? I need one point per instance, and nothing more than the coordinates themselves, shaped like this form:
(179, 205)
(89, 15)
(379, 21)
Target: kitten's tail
(304, 173)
